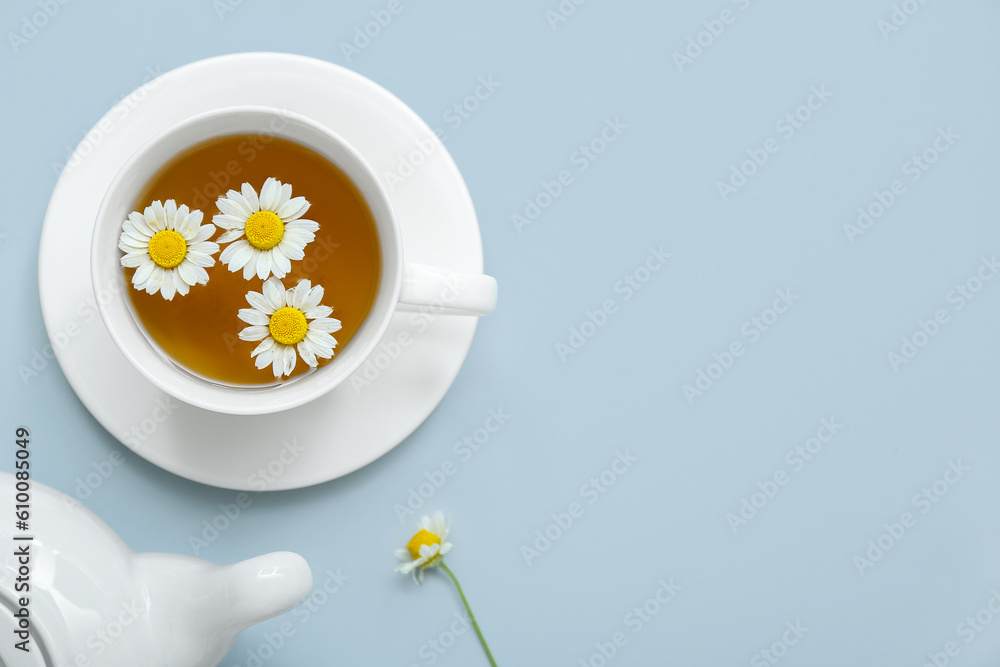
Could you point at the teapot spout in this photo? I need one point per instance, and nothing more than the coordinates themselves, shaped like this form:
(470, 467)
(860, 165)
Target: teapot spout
(265, 586)
(197, 609)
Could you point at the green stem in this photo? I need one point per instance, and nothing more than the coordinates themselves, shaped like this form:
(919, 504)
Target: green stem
(468, 609)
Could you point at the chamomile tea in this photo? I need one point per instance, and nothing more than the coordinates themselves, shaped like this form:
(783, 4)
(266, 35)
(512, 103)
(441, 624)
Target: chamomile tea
(282, 281)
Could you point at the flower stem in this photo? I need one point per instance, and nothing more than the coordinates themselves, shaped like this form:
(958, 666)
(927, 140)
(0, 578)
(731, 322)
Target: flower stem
(472, 616)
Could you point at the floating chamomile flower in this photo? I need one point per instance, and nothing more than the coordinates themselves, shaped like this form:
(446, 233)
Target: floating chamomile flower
(275, 232)
(168, 247)
(286, 321)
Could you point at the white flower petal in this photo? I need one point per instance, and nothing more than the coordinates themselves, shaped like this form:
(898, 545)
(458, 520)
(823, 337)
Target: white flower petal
(143, 273)
(200, 259)
(251, 196)
(314, 297)
(182, 287)
(229, 207)
(168, 288)
(290, 359)
(263, 264)
(318, 312)
(253, 316)
(251, 268)
(223, 221)
(303, 225)
(170, 217)
(199, 234)
(257, 300)
(293, 209)
(274, 293)
(298, 237)
(264, 346)
(133, 260)
(240, 253)
(290, 250)
(300, 293)
(284, 195)
(269, 194)
(265, 358)
(241, 201)
(159, 214)
(136, 232)
(230, 235)
(186, 271)
(204, 247)
(307, 355)
(254, 333)
(282, 265)
(322, 339)
(139, 222)
(325, 324)
(150, 219)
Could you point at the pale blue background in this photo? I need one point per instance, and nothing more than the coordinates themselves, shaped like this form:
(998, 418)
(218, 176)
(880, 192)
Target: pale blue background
(666, 517)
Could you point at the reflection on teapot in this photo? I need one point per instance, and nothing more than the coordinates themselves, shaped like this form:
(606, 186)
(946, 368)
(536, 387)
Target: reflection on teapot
(92, 602)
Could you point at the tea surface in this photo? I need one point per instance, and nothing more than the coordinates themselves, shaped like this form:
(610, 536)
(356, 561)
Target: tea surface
(200, 330)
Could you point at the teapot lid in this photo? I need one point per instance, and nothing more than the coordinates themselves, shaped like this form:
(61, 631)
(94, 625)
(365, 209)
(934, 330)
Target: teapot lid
(10, 655)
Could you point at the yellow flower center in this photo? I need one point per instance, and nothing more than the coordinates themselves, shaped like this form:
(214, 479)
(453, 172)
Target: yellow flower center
(419, 540)
(167, 248)
(264, 230)
(288, 326)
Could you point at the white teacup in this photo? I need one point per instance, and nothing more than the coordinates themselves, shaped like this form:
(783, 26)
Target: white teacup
(401, 285)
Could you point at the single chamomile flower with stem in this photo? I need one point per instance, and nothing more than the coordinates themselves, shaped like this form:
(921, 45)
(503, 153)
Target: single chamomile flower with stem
(426, 550)
(168, 247)
(286, 322)
(276, 233)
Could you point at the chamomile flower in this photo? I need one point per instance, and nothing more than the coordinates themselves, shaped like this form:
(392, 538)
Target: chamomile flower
(289, 324)
(168, 247)
(426, 549)
(273, 225)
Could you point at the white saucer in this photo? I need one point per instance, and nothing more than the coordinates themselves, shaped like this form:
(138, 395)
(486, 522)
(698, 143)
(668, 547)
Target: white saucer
(352, 425)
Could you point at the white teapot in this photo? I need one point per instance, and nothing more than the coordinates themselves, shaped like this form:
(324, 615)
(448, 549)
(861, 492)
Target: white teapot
(76, 596)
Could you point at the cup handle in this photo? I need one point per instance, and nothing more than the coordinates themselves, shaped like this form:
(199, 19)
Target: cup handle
(425, 287)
